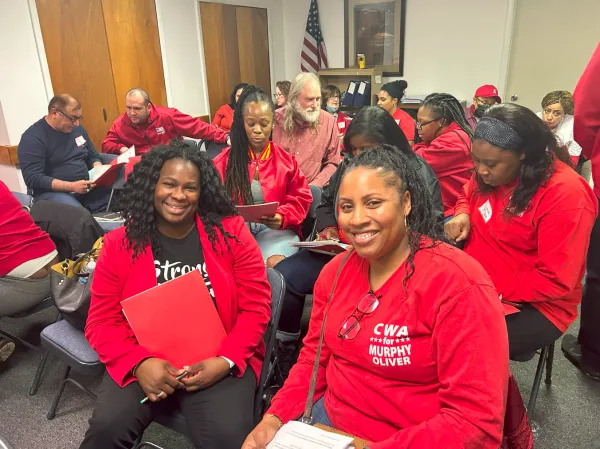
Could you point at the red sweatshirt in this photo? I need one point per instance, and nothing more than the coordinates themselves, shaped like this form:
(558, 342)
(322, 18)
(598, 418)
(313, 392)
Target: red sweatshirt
(449, 156)
(238, 279)
(406, 123)
(587, 115)
(164, 124)
(223, 118)
(537, 257)
(280, 180)
(20, 238)
(428, 369)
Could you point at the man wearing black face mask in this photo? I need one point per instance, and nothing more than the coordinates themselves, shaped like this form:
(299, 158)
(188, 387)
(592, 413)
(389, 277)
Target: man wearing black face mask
(485, 96)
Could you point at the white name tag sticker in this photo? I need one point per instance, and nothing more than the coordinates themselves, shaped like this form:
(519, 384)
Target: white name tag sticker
(80, 141)
(486, 211)
(398, 122)
(341, 125)
(160, 130)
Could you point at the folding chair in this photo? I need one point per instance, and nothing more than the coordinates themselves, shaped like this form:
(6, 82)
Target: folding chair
(310, 222)
(545, 361)
(69, 345)
(177, 422)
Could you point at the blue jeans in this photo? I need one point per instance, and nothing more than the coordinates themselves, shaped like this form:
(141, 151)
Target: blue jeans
(319, 414)
(274, 241)
(95, 201)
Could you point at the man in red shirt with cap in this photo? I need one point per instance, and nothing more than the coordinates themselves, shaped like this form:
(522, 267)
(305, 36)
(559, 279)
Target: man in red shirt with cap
(485, 96)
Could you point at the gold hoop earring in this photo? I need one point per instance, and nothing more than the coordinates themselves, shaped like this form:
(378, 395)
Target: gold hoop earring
(405, 222)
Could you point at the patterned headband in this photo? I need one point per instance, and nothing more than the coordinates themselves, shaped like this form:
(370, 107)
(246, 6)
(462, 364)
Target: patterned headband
(498, 133)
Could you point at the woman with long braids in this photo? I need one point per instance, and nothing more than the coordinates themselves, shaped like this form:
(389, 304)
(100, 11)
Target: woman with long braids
(255, 171)
(527, 218)
(178, 218)
(415, 353)
(446, 145)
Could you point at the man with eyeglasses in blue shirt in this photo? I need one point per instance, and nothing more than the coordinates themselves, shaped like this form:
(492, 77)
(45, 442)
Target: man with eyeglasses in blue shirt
(56, 154)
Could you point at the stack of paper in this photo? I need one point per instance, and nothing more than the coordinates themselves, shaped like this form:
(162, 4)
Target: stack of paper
(124, 158)
(413, 99)
(296, 435)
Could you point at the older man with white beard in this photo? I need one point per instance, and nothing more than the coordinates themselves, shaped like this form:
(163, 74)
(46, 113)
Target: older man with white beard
(303, 129)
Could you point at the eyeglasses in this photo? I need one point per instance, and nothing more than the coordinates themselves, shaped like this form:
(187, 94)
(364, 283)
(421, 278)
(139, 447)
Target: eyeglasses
(351, 326)
(421, 125)
(70, 117)
(276, 96)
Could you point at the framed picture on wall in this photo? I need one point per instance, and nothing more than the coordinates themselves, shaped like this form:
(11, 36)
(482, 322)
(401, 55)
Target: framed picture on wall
(375, 29)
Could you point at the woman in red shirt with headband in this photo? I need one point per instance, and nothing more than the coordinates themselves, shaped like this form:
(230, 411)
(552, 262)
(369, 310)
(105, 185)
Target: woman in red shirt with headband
(526, 217)
(415, 353)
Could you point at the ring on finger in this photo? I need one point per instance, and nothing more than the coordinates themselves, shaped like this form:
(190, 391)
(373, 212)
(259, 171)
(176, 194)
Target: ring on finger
(160, 395)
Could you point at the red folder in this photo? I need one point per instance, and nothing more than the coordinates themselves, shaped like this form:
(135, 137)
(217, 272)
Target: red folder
(177, 321)
(108, 178)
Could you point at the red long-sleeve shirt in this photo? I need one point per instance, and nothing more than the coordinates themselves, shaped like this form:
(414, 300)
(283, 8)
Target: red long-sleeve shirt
(223, 118)
(280, 180)
(164, 124)
(20, 238)
(449, 156)
(536, 257)
(238, 278)
(406, 123)
(586, 127)
(429, 367)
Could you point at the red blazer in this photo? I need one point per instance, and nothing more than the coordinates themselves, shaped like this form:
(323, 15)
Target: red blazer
(537, 257)
(239, 281)
(406, 123)
(449, 156)
(223, 118)
(586, 127)
(282, 181)
(164, 124)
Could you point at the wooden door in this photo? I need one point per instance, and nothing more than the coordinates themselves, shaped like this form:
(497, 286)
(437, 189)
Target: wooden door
(134, 45)
(236, 49)
(79, 61)
(544, 59)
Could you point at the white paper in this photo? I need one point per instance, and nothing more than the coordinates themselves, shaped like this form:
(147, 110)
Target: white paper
(98, 171)
(351, 87)
(296, 435)
(124, 158)
(361, 88)
(377, 79)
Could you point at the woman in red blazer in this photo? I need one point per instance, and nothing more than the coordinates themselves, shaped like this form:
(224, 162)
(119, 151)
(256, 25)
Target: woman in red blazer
(256, 171)
(224, 116)
(178, 218)
(446, 145)
(526, 217)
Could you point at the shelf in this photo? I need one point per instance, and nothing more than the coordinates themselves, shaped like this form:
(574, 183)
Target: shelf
(341, 77)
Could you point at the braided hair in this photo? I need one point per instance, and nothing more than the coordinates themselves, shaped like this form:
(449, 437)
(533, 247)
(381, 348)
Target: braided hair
(237, 182)
(539, 147)
(422, 222)
(449, 108)
(559, 96)
(137, 201)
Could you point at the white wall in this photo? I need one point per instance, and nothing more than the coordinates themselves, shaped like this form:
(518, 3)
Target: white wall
(183, 53)
(22, 89)
(449, 46)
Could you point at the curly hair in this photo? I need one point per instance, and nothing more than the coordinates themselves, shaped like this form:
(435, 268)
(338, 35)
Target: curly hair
(137, 201)
(559, 96)
(237, 183)
(449, 108)
(421, 220)
(539, 147)
(232, 101)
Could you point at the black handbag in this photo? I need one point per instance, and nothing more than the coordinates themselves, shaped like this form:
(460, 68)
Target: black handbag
(70, 286)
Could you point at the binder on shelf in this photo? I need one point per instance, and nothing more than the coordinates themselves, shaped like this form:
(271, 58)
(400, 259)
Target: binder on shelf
(348, 99)
(363, 94)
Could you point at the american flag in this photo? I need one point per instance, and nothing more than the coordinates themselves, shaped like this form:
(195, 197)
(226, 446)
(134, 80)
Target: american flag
(314, 53)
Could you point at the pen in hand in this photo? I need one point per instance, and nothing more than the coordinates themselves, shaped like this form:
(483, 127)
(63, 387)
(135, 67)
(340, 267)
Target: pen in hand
(181, 376)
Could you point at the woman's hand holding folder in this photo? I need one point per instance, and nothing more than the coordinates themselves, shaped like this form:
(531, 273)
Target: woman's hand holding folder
(157, 378)
(205, 374)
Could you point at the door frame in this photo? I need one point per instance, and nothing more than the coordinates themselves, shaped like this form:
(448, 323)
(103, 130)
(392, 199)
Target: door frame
(39, 42)
(264, 4)
(509, 25)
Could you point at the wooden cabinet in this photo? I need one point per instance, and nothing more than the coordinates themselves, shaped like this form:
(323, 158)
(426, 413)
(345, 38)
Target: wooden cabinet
(341, 77)
(99, 49)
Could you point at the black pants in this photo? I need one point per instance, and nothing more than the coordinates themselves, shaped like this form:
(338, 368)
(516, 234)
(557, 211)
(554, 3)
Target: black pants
(219, 417)
(589, 332)
(300, 272)
(528, 331)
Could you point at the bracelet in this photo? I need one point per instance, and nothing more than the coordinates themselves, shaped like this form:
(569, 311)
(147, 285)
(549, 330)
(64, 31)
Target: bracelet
(270, 415)
(136, 367)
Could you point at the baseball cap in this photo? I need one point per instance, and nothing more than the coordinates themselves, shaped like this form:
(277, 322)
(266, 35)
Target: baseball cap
(488, 91)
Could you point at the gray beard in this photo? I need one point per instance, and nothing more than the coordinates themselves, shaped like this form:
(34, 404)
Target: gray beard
(306, 116)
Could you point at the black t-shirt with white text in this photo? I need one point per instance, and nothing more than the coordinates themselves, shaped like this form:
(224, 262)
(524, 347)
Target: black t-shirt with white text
(181, 256)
